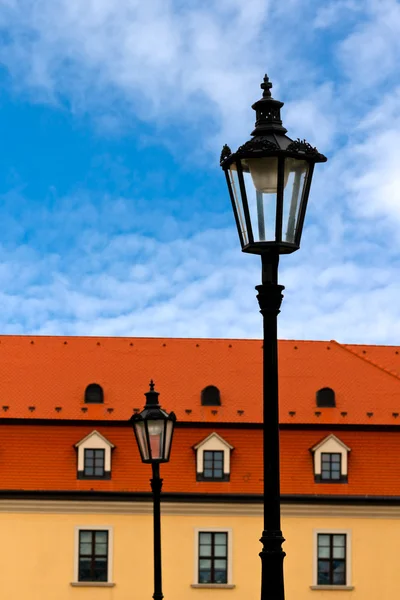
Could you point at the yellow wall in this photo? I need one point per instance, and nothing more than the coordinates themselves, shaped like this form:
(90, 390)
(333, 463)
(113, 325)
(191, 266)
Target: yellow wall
(37, 554)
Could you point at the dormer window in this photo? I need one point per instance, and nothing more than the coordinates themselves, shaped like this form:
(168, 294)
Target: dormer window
(94, 457)
(94, 463)
(331, 466)
(94, 394)
(326, 398)
(210, 396)
(213, 459)
(213, 464)
(330, 460)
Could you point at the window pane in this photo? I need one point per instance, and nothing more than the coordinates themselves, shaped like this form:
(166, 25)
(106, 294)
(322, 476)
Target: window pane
(205, 550)
(89, 453)
(208, 472)
(84, 569)
(89, 462)
(85, 549)
(85, 536)
(205, 538)
(323, 540)
(205, 577)
(336, 458)
(220, 551)
(205, 563)
(339, 552)
(101, 549)
(220, 576)
(220, 564)
(99, 471)
(339, 573)
(325, 458)
(324, 552)
(323, 572)
(339, 540)
(100, 569)
(101, 536)
(208, 464)
(220, 538)
(218, 473)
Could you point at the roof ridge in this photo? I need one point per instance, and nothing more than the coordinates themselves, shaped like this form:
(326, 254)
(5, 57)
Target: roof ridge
(367, 360)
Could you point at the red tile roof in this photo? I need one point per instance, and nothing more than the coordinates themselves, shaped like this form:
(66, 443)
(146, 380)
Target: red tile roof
(45, 377)
(43, 457)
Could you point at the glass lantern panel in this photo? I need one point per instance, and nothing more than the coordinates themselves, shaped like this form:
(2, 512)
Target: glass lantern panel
(141, 436)
(261, 181)
(168, 437)
(295, 178)
(155, 427)
(237, 196)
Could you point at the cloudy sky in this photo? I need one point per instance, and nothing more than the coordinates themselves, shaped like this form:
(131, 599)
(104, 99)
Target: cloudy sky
(114, 217)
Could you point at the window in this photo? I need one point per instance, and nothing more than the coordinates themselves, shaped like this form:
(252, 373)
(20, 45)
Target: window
(213, 464)
(326, 398)
(331, 559)
(213, 557)
(94, 463)
(210, 396)
(94, 457)
(331, 465)
(331, 457)
(93, 555)
(94, 394)
(213, 459)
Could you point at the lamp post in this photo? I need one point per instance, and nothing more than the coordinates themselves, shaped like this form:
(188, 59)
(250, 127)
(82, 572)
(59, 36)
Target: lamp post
(269, 179)
(154, 429)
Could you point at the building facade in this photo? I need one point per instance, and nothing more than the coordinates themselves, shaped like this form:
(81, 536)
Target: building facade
(75, 501)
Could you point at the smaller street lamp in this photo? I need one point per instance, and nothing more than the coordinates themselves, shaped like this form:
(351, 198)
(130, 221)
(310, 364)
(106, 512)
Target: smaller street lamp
(154, 429)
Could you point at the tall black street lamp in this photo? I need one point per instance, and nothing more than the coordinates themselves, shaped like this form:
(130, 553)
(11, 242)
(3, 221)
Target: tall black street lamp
(154, 429)
(269, 179)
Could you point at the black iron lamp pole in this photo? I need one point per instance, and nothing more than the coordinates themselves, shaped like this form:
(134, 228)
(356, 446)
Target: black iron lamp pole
(269, 179)
(154, 429)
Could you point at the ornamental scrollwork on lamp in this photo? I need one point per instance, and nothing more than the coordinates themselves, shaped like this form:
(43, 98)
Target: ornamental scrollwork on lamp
(225, 153)
(303, 147)
(257, 145)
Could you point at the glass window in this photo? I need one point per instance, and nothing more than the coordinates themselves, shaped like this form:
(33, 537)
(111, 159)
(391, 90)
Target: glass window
(213, 557)
(93, 555)
(331, 559)
(213, 464)
(94, 463)
(331, 466)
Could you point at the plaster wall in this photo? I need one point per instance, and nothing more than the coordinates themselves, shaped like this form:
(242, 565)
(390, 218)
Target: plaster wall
(37, 555)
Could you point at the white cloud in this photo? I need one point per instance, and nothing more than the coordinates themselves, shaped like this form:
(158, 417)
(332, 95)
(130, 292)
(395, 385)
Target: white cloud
(165, 61)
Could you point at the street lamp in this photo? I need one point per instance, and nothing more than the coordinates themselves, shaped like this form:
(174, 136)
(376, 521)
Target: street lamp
(269, 179)
(154, 429)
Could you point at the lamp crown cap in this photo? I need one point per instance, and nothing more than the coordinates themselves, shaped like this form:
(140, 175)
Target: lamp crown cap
(152, 395)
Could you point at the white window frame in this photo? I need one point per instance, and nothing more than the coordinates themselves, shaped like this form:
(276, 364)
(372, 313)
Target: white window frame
(229, 583)
(332, 531)
(94, 527)
(213, 443)
(330, 445)
(94, 441)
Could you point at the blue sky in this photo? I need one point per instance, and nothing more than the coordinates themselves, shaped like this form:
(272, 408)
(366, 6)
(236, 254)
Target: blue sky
(114, 217)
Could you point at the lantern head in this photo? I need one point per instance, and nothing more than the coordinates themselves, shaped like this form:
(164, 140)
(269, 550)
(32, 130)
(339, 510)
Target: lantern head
(153, 429)
(269, 179)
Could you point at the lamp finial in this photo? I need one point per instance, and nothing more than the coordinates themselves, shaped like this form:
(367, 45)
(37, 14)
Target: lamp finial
(266, 86)
(152, 385)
